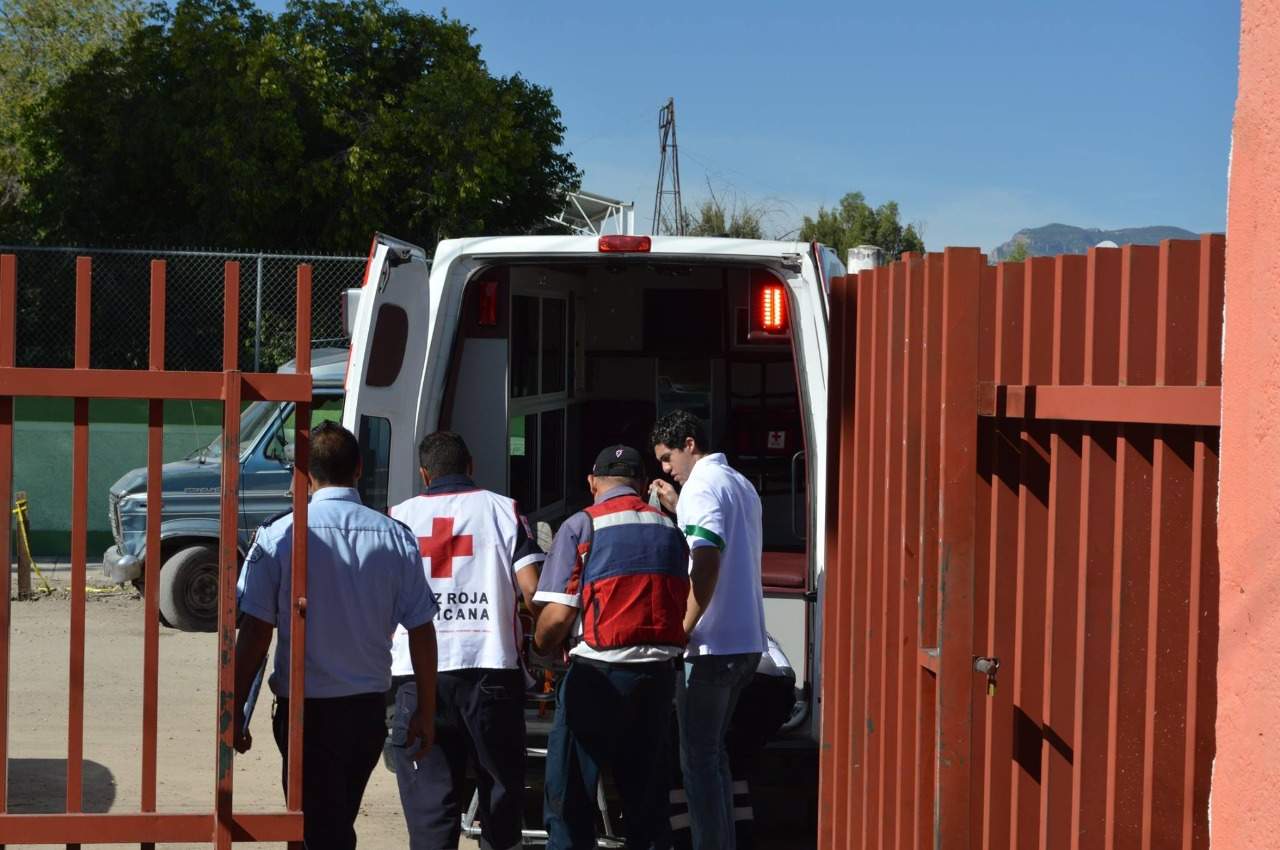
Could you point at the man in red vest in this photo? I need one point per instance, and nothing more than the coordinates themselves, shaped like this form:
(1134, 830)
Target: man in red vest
(615, 586)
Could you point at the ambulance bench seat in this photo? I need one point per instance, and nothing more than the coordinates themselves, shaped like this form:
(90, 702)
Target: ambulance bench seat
(784, 570)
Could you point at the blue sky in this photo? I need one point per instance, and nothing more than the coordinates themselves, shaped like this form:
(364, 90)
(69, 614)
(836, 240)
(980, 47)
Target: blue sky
(979, 118)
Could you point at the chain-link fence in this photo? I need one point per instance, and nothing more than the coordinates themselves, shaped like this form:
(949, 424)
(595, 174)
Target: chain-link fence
(194, 293)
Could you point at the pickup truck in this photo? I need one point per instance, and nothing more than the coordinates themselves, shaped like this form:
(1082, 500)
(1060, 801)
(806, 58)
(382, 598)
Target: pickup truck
(188, 559)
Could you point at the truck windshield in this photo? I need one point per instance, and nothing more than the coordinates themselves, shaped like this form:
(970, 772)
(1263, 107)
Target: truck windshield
(253, 420)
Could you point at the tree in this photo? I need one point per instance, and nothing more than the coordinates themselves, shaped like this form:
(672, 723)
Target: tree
(41, 43)
(220, 125)
(1019, 252)
(854, 223)
(711, 221)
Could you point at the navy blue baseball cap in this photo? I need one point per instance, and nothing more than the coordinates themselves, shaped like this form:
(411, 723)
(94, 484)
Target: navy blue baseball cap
(619, 461)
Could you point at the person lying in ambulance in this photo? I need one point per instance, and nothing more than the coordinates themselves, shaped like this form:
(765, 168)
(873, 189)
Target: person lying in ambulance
(477, 553)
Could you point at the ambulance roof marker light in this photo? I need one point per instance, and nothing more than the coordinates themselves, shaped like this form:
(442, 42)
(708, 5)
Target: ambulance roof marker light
(621, 244)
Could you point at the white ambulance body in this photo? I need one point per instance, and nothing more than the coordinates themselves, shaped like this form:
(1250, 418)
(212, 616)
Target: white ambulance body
(541, 350)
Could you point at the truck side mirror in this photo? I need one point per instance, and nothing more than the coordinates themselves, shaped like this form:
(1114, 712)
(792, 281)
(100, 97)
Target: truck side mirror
(289, 454)
(350, 303)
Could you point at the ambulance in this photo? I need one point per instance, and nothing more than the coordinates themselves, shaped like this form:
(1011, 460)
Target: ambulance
(540, 350)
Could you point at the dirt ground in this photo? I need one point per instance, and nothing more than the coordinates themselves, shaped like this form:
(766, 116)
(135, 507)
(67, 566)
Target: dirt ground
(113, 724)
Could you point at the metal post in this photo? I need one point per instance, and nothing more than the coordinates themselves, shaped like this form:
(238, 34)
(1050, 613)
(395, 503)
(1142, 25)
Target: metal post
(257, 320)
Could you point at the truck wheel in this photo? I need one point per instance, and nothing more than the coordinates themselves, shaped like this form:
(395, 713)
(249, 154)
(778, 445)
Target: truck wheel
(189, 590)
(140, 585)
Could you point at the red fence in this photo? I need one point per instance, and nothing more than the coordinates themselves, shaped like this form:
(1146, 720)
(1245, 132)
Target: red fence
(219, 826)
(1021, 600)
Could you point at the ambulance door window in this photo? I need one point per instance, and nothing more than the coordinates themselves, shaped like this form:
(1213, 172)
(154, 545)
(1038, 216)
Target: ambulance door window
(524, 346)
(554, 359)
(523, 439)
(375, 459)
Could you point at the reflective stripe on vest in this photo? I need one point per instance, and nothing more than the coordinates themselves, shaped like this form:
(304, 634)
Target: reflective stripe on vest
(635, 580)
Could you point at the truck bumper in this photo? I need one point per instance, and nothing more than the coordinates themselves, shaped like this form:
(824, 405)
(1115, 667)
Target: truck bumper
(120, 567)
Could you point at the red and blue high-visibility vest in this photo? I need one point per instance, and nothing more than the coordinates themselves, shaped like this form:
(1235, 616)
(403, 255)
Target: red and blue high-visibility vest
(635, 577)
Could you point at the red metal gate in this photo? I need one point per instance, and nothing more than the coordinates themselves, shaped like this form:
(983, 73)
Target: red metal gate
(220, 826)
(1021, 598)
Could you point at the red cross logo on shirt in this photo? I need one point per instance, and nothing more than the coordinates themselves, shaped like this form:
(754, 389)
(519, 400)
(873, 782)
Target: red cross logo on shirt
(442, 547)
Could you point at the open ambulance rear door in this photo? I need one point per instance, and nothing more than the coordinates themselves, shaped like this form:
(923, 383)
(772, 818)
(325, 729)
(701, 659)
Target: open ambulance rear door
(389, 336)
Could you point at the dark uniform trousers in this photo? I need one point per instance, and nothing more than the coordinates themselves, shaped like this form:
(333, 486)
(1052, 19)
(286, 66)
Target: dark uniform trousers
(341, 743)
(617, 717)
(479, 719)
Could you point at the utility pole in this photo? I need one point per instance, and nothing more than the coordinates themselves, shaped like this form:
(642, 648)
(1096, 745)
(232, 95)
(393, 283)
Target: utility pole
(668, 213)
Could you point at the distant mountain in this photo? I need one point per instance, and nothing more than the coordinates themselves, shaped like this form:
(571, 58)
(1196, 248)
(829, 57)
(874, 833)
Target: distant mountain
(1065, 239)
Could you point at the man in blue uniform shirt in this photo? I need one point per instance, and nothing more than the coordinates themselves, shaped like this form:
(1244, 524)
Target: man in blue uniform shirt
(364, 575)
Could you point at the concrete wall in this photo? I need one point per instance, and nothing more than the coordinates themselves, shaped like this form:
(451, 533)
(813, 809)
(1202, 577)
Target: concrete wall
(1245, 807)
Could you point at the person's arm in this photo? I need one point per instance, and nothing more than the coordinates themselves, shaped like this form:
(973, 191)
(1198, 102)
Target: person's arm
(252, 644)
(526, 562)
(553, 627)
(701, 519)
(422, 654)
(527, 580)
(704, 571)
(559, 591)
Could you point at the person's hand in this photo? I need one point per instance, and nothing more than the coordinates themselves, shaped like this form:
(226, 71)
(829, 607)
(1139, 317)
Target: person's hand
(666, 492)
(243, 740)
(423, 730)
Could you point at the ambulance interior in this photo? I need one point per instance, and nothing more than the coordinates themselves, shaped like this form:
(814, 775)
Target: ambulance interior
(586, 354)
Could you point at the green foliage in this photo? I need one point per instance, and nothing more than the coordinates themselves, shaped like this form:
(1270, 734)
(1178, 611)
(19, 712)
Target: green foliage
(41, 43)
(1018, 253)
(855, 223)
(712, 220)
(217, 124)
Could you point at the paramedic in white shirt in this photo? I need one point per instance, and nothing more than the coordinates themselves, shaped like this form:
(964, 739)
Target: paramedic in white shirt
(478, 555)
(719, 512)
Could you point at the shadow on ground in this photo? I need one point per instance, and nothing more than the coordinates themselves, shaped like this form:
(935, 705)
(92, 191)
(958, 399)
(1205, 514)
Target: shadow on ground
(39, 786)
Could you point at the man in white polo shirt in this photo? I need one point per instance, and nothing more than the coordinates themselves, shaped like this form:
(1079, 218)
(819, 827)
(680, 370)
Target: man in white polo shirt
(719, 512)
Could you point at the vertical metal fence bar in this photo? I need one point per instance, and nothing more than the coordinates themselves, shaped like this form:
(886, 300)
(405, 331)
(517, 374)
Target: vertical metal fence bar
(874, 565)
(1058, 742)
(1202, 637)
(982, 573)
(298, 569)
(891, 567)
(79, 544)
(151, 588)
(836, 638)
(1131, 552)
(8, 346)
(1169, 617)
(858, 558)
(908, 637)
(1002, 559)
(228, 560)
(927, 618)
(962, 277)
(1093, 674)
(1033, 537)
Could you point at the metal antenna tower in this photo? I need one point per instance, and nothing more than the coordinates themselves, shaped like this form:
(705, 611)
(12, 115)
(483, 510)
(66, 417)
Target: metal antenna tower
(668, 213)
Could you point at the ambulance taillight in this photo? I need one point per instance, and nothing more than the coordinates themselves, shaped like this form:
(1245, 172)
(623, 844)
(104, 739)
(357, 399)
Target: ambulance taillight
(620, 244)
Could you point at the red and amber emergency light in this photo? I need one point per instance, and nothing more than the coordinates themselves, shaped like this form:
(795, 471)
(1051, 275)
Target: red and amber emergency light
(772, 305)
(617, 244)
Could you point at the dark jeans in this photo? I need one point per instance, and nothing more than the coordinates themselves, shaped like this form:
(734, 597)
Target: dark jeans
(479, 719)
(615, 716)
(706, 695)
(341, 742)
(764, 705)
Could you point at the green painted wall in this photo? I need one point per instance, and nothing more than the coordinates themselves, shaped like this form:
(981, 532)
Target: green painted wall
(117, 443)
